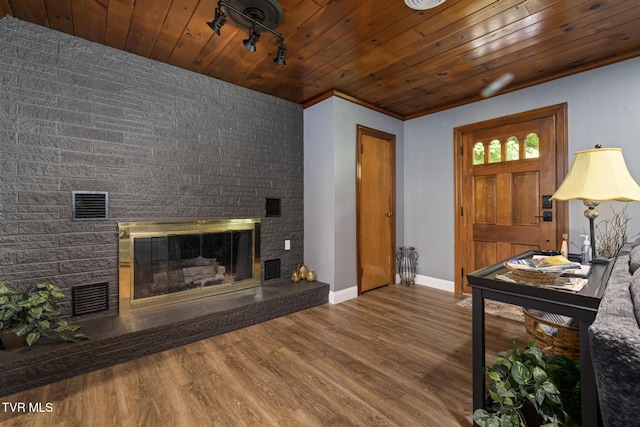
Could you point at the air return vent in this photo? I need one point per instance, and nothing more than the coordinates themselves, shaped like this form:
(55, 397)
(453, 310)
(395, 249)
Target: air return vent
(272, 207)
(90, 298)
(90, 205)
(272, 269)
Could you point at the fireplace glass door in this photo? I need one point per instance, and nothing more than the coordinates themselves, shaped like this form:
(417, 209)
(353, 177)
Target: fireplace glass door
(178, 263)
(161, 263)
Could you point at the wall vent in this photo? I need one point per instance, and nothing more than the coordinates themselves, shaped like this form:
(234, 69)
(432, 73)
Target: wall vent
(90, 298)
(272, 269)
(90, 205)
(272, 207)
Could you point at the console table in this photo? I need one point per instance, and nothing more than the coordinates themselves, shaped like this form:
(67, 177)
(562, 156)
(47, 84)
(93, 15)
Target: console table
(582, 306)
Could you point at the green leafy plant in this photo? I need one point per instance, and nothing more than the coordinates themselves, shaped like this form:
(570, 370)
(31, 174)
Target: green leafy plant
(9, 306)
(524, 389)
(35, 313)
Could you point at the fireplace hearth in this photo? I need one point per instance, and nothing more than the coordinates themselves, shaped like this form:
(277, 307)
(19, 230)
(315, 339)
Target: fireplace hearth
(165, 263)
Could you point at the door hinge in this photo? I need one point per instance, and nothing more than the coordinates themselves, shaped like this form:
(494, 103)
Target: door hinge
(461, 211)
(462, 272)
(361, 148)
(362, 272)
(461, 150)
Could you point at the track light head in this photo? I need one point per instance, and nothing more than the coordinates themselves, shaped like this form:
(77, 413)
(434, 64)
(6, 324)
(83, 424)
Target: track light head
(218, 21)
(282, 52)
(250, 43)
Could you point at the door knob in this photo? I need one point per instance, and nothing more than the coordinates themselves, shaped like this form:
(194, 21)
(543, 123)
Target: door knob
(546, 216)
(389, 214)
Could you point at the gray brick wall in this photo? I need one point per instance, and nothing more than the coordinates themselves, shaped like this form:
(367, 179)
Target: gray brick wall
(167, 145)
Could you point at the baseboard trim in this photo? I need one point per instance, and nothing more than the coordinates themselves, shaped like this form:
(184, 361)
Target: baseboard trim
(432, 282)
(343, 295)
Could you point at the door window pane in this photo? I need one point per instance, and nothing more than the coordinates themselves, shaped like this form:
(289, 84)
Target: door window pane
(532, 146)
(478, 153)
(513, 148)
(495, 148)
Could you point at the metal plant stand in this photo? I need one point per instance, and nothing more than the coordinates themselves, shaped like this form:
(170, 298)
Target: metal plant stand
(407, 259)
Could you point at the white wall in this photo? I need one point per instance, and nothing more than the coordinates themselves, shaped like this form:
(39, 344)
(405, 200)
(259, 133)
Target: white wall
(319, 200)
(604, 108)
(330, 188)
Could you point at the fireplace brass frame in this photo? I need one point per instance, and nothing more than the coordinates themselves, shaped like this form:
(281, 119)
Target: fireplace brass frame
(128, 231)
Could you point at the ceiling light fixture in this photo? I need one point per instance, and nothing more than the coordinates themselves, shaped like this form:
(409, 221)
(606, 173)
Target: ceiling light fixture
(423, 4)
(250, 43)
(255, 16)
(218, 21)
(282, 52)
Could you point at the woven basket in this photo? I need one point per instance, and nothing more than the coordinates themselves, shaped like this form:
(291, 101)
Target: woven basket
(534, 277)
(565, 343)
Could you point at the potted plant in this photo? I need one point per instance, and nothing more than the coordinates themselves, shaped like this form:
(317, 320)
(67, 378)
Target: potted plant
(9, 310)
(524, 389)
(35, 313)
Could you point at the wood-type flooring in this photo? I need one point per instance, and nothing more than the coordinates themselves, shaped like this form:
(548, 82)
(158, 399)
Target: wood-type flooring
(395, 356)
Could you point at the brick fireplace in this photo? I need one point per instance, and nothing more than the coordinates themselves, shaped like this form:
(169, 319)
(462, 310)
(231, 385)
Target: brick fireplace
(161, 263)
(167, 145)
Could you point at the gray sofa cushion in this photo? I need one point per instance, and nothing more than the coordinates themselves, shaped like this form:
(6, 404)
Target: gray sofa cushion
(634, 259)
(614, 340)
(634, 289)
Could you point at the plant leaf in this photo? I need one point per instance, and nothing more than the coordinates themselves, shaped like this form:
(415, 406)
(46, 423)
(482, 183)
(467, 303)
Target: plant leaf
(539, 375)
(550, 388)
(32, 337)
(521, 373)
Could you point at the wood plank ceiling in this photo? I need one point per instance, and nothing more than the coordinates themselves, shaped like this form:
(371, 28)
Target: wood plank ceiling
(380, 53)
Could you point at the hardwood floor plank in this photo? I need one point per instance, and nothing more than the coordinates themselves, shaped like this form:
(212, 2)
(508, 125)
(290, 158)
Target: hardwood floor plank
(395, 356)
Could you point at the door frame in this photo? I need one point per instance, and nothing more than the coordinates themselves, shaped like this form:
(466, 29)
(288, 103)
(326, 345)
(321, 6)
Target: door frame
(560, 114)
(360, 131)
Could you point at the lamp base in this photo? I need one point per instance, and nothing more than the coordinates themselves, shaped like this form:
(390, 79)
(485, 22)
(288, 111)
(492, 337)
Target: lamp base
(591, 214)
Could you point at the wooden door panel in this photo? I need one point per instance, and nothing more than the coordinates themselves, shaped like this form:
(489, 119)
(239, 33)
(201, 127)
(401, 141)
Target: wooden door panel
(376, 209)
(375, 224)
(525, 195)
(484, 193)
(506, 233)
(485, 254)
(505, 167)
(518, 249)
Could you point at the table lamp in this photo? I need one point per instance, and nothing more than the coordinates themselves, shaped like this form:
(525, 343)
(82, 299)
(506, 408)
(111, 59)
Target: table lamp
(598, 174)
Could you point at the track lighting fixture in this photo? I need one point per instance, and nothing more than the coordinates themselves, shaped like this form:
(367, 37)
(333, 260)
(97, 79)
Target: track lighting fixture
(255, 16)
(282, 52)
(250, 43)
(218, 22)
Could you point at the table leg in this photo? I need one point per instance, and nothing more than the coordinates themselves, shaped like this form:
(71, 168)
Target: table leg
(478, 363)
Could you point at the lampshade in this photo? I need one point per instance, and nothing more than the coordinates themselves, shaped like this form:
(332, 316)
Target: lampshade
(598, 174)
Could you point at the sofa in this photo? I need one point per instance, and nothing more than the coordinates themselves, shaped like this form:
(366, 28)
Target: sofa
(614, 340)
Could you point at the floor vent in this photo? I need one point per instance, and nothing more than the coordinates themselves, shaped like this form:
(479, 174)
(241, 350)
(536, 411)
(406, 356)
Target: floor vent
(272, 269)
(272, 207)
(90, 205)
(90, 298)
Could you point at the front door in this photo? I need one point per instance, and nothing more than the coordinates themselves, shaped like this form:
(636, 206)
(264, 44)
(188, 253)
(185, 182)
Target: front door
(507, 170)
(376, 207)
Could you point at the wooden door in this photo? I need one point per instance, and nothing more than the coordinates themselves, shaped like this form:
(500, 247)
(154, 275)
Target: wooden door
(376, 208)
(507, 169)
